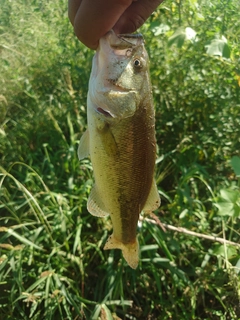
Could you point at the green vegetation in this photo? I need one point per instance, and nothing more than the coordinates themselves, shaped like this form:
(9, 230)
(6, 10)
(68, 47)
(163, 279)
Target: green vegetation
(52, 265)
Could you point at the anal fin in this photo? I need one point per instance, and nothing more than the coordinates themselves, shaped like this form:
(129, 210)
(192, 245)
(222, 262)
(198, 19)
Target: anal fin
(95, 204)
(153, 201)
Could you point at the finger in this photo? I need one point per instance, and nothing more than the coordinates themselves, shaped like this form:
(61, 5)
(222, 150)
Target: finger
(73, 6)
(135, 15)
(95, 18)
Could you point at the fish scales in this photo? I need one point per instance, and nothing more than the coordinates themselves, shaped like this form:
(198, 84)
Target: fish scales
(121, 139)
(138, 158)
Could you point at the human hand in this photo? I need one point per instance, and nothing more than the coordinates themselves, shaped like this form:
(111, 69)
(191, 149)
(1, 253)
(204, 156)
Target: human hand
(92, 19)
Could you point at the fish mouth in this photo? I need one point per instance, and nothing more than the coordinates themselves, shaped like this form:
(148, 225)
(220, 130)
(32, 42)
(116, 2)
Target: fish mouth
(109, 87)
(124, 41)
(113, 86)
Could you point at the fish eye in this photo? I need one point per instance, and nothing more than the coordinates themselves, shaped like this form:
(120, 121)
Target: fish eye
(137, 63)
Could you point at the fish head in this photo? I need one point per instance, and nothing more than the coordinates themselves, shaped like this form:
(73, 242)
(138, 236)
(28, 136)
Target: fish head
(120, 76)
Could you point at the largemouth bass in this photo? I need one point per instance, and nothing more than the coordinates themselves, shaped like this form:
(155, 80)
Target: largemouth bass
(120, 139)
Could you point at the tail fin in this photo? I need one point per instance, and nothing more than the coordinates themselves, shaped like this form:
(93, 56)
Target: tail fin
(130, 251)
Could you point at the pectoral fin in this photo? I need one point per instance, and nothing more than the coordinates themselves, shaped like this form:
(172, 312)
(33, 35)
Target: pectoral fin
(83, 148)
(95, 205)
(153, 200)
(108, 141)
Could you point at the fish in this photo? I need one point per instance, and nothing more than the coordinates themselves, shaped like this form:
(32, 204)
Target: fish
(120, 139)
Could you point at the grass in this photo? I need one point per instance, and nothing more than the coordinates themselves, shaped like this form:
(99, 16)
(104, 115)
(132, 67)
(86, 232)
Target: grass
(52, 264)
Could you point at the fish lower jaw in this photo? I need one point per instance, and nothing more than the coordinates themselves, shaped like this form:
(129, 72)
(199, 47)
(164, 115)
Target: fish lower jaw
(112, 86)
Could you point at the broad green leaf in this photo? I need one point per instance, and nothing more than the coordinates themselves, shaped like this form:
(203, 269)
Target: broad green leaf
(190, 34)
(235, 162)
(219, 249)
(219, 47)
(177, 38)
(229, 195)
(161, 29)
(228, 203)
(225, 208)
(180, 35)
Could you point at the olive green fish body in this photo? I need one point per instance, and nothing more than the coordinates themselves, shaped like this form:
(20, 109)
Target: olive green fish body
(121, 143)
